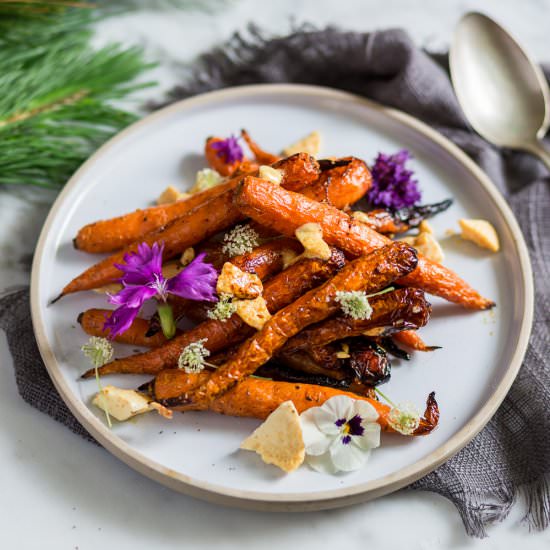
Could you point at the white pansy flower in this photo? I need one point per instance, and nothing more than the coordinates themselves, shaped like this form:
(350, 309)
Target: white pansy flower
(340, 434)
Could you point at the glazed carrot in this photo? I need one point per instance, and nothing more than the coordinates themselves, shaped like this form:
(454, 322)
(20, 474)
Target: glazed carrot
(216, 159)
(199, 224)
(411, 339)
(346, 177)
(279, 291)
(268, 258)
(263, 157)
(285, 211)
(401, 308)
(115, 233)
(381, 221)
(258, 398)
(370, 273)
(202, 222)
(265, 261)
(92, 322)
(399, 221)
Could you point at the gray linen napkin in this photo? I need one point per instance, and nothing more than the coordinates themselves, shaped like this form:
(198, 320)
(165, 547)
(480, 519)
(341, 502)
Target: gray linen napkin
(512, 453)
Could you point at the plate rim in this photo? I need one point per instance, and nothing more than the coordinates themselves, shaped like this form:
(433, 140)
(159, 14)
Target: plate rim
(309, 501)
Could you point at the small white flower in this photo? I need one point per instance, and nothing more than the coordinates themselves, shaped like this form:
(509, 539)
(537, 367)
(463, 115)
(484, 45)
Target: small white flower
(223, 309)
(240, 240)
(404, 418)
(354, 304)
(192, 358)
(340, 434)
(98, 350)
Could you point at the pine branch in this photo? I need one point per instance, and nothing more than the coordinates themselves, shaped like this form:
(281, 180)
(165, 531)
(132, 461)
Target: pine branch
(55, 91)
(209, 6)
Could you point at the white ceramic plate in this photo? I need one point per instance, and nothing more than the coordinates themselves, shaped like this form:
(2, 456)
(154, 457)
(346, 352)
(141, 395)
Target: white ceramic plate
(197, 453)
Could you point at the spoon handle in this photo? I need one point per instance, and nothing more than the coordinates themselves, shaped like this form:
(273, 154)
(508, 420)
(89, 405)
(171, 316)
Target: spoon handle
(540, 151)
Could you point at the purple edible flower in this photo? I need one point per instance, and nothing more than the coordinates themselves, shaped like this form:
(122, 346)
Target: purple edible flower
(353, 426)
(229, 149)
(142, 280)
(393, 185)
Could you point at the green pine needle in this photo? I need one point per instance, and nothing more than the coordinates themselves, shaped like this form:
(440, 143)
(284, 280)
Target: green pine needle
(55, 92)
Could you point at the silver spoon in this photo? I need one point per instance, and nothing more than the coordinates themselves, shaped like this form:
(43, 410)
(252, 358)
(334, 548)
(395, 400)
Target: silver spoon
(502, 92)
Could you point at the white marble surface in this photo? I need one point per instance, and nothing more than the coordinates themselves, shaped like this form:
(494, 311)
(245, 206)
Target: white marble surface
(60, 492)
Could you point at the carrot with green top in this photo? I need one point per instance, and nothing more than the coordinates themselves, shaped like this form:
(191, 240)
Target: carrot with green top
(92, 322)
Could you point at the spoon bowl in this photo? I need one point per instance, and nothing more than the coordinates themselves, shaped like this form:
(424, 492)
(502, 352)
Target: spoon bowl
(502, 92)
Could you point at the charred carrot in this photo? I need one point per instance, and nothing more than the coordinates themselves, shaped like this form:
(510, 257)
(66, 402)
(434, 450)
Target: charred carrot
(258, 398)
(115, 233)
(268, 258)
(279, 291)
(371, 273)
(404, 307)
(92, 321)
(285, 211)
(399, 221)
(346, 177)
(411, 339)
(204, 221)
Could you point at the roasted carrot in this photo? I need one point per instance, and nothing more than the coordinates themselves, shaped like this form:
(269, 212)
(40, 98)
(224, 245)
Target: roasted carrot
(346, 177)
(411, 339)
(116, 233)
(268, 258)
(279, 291)
(202, 222)
(399, 309)
(381, 221)
(261, 156)
(285, 211)
(301, 368)
(265, 261)
(216, 159)
(92, 321)
(399, 221)
(258, 398)
(371, 273)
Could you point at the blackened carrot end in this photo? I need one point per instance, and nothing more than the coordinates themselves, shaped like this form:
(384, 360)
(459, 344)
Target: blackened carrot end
(431, 417)
(56, 299)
